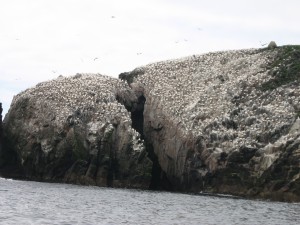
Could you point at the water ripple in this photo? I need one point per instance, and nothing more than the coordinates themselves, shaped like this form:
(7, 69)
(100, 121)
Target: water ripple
(23, 202)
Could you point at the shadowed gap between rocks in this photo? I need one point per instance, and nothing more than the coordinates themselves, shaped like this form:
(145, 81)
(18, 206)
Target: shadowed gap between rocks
(137, 116)
(159, 179)
(9, 163)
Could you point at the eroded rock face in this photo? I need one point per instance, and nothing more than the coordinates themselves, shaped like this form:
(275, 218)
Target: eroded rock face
(73, 129)
(225, 122)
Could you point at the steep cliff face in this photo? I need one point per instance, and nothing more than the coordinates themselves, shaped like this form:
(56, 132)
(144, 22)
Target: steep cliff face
(225, 122)
(73, 129)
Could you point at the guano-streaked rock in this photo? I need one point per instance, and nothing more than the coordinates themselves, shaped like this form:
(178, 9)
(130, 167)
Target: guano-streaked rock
(225, 122)
(222, 122)
(73, 129)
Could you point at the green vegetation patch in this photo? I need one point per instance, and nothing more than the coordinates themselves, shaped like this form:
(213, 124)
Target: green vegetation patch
(285, 68)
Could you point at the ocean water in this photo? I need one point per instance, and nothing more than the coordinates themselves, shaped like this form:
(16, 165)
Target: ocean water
(25, 202)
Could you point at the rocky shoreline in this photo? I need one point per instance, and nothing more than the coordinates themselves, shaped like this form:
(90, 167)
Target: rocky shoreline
(223, 122)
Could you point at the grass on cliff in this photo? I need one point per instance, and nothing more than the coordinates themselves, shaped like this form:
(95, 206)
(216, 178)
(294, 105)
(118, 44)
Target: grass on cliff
(285, 68)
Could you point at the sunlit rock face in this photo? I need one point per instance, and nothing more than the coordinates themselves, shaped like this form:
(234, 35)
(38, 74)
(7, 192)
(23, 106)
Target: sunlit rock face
(72, 129)
(226, 121)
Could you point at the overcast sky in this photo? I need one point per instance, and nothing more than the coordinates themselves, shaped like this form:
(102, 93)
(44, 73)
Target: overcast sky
(42, 39)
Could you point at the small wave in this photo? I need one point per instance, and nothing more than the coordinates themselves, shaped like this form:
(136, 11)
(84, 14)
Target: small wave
(78, 205)
(218, 195)
(6, 179)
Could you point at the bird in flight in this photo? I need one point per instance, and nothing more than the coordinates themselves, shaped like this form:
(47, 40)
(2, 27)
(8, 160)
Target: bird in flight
(262, 44)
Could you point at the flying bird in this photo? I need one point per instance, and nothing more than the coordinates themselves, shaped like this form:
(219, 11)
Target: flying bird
(262, 43)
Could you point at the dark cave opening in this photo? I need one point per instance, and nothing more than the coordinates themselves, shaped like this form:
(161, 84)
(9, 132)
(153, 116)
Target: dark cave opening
(137, 116)
(159, 179)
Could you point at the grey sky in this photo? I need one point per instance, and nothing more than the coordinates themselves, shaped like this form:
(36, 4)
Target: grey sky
(41, 39)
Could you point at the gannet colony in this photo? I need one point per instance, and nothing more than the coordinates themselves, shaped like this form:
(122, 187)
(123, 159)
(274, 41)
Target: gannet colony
(221, 122)
(72, 129)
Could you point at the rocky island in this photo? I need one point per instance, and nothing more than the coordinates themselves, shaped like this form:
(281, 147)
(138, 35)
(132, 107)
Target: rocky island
(223, 122)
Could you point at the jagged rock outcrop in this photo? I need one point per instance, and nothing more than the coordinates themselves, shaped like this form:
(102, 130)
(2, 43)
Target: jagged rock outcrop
(225, 122)
(74, 130)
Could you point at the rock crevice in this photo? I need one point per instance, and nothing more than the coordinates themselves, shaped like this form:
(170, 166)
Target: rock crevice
(136, 106)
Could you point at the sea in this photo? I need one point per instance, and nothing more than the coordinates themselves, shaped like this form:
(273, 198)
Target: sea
(27, 202)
